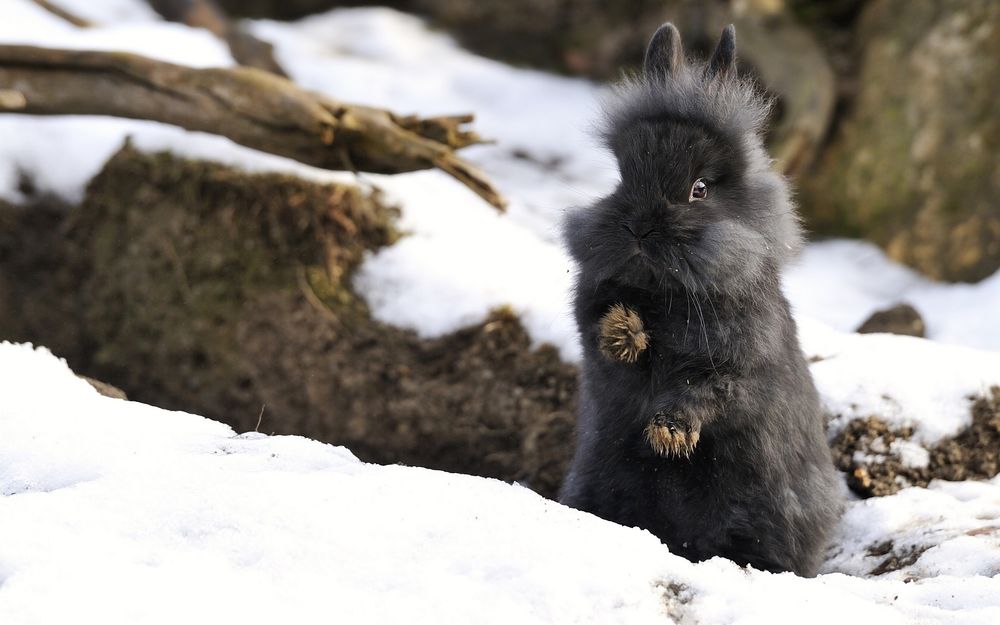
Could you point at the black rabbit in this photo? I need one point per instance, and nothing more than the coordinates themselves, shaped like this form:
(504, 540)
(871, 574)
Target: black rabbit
(698, 418)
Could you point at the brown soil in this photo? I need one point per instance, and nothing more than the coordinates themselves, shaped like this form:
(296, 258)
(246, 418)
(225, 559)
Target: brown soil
(973, 454)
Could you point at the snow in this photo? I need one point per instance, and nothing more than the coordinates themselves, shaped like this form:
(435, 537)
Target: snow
(184, 520)
(911, 454)
(273, 529)
(956, 522)
(842, 282)
(23, 22)
(118, 512)
(489, 261)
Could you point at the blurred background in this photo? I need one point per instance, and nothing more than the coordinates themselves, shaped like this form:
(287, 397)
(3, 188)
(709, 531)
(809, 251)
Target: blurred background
(885, 116)
(377, 302)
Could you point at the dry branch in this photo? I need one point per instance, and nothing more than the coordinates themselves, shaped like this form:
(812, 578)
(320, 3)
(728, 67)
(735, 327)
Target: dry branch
(249, 106)
(63, 13)
(247, 49)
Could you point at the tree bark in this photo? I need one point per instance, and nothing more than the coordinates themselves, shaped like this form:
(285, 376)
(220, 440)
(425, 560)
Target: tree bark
(249, 106)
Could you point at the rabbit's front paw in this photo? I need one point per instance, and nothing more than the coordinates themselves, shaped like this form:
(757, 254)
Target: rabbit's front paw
(670, 435)
(622, 334)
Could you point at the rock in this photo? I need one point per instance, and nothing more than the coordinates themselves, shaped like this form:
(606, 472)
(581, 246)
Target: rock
(899, 319)
(913, 165)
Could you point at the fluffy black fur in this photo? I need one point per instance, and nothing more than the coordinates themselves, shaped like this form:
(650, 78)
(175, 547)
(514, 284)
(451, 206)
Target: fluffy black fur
(723, 359)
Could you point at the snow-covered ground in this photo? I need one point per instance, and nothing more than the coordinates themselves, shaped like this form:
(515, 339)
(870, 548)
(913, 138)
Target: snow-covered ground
(120, 512)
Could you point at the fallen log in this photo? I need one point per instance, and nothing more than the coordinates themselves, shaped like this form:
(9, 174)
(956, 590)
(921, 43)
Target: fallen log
(249, 106)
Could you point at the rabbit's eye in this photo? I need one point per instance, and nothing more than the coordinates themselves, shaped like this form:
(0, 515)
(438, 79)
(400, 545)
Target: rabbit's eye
(699, 190)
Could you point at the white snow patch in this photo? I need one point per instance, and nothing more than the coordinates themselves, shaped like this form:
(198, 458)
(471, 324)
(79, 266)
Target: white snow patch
(911, 454)
(23, 22)
(461, 260)
(28, 147)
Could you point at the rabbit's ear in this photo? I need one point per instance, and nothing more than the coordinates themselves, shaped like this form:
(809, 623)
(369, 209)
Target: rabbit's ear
(664, 55)
(723, 60)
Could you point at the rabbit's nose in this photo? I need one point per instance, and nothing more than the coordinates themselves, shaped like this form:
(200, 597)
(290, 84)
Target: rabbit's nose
(640, 237)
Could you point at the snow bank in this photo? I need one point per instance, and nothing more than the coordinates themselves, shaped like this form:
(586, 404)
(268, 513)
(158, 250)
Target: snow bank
(842, 282)
(124, 513)
(949, 528)
(117, 512)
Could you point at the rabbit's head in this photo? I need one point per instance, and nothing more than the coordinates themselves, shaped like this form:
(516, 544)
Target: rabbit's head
(697, 203)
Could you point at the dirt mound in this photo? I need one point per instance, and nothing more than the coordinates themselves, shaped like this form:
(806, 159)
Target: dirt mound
(197, 287)
(879, 460)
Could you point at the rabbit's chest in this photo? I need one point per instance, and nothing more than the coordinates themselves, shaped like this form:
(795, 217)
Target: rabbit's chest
(680, 331)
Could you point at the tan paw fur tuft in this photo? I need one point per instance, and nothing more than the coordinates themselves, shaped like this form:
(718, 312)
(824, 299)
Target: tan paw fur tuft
(667, 440)
(622, 334)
